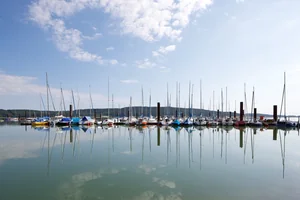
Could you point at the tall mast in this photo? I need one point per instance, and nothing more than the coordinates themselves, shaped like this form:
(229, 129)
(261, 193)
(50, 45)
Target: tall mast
(108, 99)
(284, 97)
(92, 107)
(192, 99)
(246, 108)
(226, 103)
(213, 102)
(222, 102)
(142, 110)
(179, 98)
(167, 99)
(74, 102)
(112, 104)
(47, 85)
(200, 95)
(150, 105)
(78, 102)
(189, 98)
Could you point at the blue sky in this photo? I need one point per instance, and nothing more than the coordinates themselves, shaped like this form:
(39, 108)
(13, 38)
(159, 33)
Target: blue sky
(149, 43)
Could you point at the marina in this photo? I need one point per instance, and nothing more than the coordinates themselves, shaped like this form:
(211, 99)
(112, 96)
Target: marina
(148, 162)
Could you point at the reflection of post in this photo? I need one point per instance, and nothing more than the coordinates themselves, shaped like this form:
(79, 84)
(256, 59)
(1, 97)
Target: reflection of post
(275, 131)
(200, 149)
(222, 143)
(282, 147)
(158, 136)
(150, 139)
(158, 113)
(213, 142)
(71, 135)
(241, 138)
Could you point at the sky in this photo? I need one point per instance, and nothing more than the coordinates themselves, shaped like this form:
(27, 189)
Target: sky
(149, 44)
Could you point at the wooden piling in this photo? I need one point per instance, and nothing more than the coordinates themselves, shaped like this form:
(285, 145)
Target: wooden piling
(158, 113)
(218, 114)
(275, 113)
(241, 111)
(71, 135)
(158, 136)
(229, 114)
(255, 114)
(241, 138)
(71, 111)
(234, 114)
(275, 131)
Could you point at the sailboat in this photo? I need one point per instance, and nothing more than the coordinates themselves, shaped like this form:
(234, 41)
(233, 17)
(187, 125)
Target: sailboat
(200, 121)
(254, 121)
(131, 120)
(43, 121)
(88, 120)
(285, 122)
(108, 121)
(151, 119)
(189, 120)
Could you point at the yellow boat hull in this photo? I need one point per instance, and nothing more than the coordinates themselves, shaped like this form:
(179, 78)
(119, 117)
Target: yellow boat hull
(40, 123)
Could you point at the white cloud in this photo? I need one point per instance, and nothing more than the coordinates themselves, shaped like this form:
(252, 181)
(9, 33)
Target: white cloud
(163, 50)
(110, 48)
(239, 1)
(94, 28)
(94, 37)
(149, 20)
(164, 183)
(25, 87)
(145, 64)
(129, 81)
(114, 62)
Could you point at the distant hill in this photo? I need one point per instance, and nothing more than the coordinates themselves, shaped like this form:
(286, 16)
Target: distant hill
(137, 111)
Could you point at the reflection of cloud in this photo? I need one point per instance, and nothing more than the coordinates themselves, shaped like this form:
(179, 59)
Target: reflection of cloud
(127, 152)
(164, 183)
(73, 188)
(147, 169)
(150, 195)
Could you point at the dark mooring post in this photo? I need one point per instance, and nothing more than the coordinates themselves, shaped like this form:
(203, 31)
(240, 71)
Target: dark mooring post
(71, 111)
(255, 113)
(229, 114)
(275, 113)
(241, 138)
(218, 114)
(275, 131)
(71, 135)
(158, 113)
(241, 111)
(234, 114)
(158, 136)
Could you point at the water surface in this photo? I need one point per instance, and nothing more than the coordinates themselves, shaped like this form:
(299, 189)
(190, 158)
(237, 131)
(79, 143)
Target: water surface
(148, 163)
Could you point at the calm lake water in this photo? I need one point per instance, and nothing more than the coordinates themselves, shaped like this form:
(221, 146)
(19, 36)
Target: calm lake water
(130, 163)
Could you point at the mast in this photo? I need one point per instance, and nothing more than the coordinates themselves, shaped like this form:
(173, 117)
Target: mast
(222, 102)
(167, 99)
(190, 98)
(226, 103)
(285, 97)
(179, 99)
(246, 108)
(47, 85)
(108, 99)
(92, 107)
(142, 110)
(78, 103)
(200, 95)
(112, 104)
(150, 105)
(213, 103)
(74, 102)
